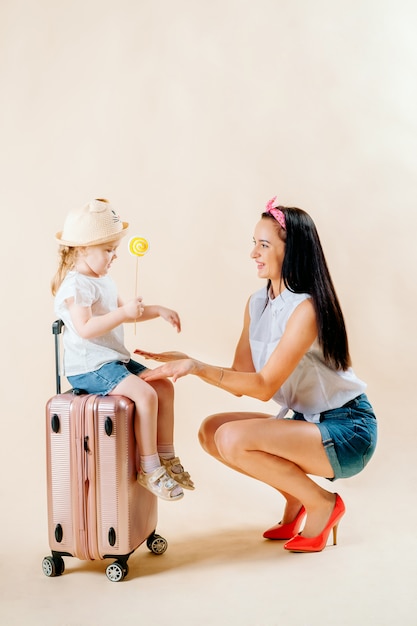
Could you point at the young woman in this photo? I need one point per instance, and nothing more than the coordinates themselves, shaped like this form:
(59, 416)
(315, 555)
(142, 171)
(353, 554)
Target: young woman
(95, 357)
(294, 349)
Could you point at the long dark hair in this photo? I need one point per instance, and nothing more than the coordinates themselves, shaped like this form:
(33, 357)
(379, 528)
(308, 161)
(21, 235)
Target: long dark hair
(304, 270)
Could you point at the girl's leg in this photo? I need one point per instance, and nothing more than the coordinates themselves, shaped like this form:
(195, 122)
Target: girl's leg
(278, 452)
(146, 413)
(153, 475)
(164, 390)
(165, 432)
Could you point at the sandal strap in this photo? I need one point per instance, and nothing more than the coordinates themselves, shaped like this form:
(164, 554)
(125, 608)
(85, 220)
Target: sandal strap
(160, 482)
(182, 477)
(156, 475)
(170, 464)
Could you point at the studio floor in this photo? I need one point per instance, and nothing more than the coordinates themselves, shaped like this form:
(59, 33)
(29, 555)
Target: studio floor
(218, 570)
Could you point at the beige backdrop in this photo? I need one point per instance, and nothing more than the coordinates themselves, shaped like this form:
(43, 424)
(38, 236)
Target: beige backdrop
(189, 116)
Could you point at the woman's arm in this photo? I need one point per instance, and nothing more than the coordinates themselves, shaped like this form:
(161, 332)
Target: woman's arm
(300, 333)
(242, 361)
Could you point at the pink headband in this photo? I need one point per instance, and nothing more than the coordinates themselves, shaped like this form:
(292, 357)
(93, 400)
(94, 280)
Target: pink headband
(271, 208)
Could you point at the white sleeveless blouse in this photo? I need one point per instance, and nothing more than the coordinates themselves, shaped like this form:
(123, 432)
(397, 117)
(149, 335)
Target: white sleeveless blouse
(313, 386)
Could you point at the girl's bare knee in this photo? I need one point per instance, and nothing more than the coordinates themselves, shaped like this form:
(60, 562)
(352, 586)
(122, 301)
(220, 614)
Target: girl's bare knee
(164, 388)
(149, 394)
(137, 390)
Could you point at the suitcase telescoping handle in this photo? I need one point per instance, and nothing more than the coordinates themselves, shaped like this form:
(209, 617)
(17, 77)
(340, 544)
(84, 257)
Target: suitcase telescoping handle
(56, 331)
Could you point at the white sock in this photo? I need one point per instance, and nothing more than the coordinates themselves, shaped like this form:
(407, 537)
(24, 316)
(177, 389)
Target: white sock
(166, 451)
(150, 463)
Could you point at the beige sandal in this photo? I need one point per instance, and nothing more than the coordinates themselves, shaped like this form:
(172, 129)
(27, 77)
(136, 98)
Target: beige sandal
(177, 472)
(160, 484)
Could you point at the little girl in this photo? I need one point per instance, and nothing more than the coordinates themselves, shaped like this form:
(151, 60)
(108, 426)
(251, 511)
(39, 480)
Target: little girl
(95, 357)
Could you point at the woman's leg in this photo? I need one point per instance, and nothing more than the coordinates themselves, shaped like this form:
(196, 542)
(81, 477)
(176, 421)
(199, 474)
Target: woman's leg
(209, 427)
(207, 436)
(278, 452)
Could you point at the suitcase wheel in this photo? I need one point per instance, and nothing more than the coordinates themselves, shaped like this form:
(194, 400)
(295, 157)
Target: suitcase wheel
(117, 571)
(156, 543)
(53, 566)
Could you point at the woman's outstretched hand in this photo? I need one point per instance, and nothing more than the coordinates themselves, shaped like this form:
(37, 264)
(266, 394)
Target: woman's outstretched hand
(162, 356)
(173, 369)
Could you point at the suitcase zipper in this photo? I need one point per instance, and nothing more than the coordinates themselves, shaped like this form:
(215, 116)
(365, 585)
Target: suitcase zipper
(81, 486)
(91, 415)
(85, 520)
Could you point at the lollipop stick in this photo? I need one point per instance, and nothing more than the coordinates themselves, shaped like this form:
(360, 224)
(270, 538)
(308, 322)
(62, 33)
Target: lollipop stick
(136, 284)
(138, 246)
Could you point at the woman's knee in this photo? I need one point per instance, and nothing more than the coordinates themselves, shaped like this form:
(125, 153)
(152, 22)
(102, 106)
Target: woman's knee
(222, 431)
(207, 433)
(228, 440)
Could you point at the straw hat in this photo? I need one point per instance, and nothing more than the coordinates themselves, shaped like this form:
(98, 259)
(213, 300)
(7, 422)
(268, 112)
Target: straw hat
(94, 223)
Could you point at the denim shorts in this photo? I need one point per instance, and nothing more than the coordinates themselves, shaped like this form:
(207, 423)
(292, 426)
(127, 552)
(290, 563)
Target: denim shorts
(349, 436)
(106, 378)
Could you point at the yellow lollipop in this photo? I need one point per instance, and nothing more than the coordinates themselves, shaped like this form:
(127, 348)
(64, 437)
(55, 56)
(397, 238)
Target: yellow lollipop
(138, 246)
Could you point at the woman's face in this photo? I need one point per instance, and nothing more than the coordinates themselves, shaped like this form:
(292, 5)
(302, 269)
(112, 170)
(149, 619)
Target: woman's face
(268, 251)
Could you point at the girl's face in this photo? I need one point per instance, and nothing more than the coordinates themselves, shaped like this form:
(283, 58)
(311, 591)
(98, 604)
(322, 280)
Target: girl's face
(268, 251)
(95, 261)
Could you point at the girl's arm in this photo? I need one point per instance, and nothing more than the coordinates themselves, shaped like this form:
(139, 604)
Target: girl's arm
(300, 333)
(152, 311)
(89, 326)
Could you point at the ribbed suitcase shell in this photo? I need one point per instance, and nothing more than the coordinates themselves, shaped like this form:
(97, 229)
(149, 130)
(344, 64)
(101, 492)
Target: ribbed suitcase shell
(96, 507)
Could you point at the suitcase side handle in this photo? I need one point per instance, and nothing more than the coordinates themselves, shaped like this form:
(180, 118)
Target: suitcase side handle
(56, 331)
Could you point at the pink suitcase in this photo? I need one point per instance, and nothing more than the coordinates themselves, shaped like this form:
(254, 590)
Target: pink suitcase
(96, 507)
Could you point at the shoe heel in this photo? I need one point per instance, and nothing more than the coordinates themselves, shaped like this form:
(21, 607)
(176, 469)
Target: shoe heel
(335, 533)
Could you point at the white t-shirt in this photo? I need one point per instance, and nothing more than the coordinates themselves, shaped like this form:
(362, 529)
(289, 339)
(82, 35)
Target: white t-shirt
(313, 386)
(86, 355)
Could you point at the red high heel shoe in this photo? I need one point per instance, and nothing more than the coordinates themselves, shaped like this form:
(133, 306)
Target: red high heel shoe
(318, 543)
(286, 531)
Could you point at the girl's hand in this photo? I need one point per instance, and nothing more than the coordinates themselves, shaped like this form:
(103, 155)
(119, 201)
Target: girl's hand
(171, 317)
(174, 370)
(133, 309)
(162, 356)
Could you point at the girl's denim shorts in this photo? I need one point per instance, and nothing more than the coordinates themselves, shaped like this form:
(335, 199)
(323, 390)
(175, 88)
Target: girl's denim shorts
(106, 378)
(349, 436)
